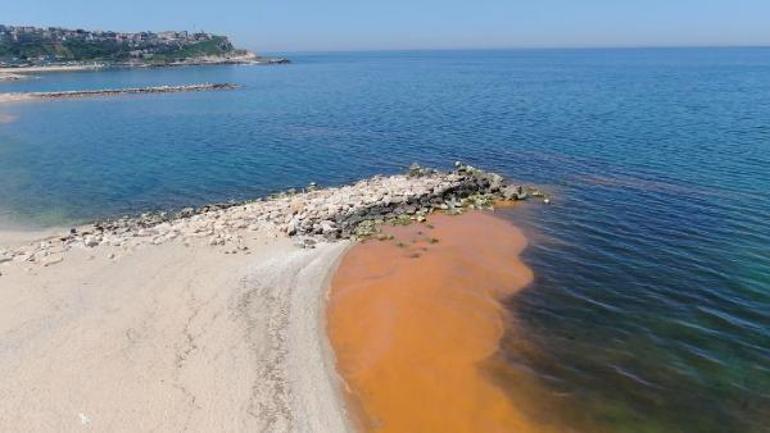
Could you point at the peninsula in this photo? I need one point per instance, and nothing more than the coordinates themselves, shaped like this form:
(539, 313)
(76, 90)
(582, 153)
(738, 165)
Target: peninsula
(53, 49)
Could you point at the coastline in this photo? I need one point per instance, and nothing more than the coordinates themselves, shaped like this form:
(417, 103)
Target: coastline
(212, 319)
(10, 74)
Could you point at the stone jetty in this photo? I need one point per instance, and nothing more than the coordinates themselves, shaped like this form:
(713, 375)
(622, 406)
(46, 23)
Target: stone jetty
(10, 77)
(117, 92)
(309, 215)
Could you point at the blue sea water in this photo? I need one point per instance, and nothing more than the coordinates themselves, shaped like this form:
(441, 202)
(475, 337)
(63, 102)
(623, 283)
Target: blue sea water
(650, 311)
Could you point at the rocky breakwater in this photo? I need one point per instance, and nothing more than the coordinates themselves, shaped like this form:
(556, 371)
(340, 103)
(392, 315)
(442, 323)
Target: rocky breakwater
(12, 97)
(309, 215)
(10, 77)
(134, 91)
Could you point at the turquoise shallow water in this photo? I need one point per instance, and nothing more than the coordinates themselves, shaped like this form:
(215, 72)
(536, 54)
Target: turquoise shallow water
(650, 311)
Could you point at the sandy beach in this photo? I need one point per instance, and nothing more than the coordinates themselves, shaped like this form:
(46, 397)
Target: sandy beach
(170, 338)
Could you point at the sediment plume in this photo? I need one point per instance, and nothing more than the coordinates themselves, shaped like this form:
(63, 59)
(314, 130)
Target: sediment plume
(413, 318)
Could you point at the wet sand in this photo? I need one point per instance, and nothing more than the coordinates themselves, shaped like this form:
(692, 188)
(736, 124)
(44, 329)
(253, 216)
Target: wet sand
(416, 320)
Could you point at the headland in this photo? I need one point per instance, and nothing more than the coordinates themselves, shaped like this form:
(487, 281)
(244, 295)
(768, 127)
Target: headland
(25, 50)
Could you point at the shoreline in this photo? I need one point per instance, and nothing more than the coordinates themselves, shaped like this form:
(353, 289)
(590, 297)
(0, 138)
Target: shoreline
(211, 319)
(17, 73)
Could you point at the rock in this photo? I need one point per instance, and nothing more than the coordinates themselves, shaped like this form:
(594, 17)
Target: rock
(292, 227)
(90, 241)
(328, 227)
(296, 206)
(305, 243)
(513, 193)
(415, 170)
(495, 182)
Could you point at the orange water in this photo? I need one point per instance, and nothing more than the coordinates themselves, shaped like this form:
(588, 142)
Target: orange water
(415, 323)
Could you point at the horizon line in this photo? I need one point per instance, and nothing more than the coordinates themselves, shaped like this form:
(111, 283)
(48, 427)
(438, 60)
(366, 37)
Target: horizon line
(522, 48)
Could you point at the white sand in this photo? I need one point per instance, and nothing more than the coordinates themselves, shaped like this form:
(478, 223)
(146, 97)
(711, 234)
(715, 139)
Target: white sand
(168, 338)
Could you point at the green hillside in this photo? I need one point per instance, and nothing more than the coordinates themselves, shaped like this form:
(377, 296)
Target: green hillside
(29, 45)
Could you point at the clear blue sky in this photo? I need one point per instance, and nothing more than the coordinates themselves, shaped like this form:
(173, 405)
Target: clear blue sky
(297, 25)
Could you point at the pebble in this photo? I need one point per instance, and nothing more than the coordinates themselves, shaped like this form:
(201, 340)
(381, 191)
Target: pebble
(90, 241)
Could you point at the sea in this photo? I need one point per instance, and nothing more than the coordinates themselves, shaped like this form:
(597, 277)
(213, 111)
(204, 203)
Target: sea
(650, 309)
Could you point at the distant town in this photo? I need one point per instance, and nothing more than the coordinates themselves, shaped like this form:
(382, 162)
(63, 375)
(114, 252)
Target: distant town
(33, 46)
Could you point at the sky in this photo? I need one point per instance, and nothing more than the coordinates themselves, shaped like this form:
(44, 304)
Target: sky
(342, 25)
